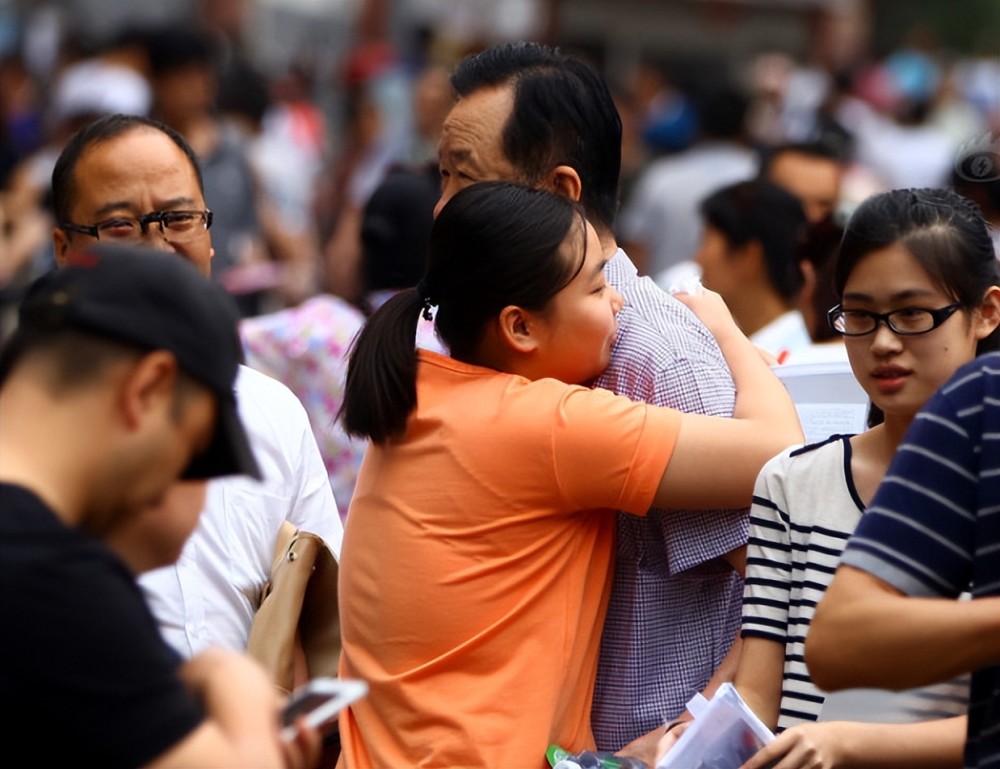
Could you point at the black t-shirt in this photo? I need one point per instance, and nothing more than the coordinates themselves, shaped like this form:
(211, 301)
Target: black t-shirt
(85, 678)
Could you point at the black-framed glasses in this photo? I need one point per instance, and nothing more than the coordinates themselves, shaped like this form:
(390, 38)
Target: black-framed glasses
(176, 226)
(906, 321)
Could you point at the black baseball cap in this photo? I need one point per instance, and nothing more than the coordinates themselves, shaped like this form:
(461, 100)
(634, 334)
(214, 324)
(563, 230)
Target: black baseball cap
(154, 300)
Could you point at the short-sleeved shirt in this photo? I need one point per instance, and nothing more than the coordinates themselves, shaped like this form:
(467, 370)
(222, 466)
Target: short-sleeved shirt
(805, 507)
(477, 562)
(85, 679)
(675, 608)
(933, 527)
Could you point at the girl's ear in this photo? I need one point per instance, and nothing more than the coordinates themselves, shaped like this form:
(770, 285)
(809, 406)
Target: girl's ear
(988, 317)
(516, 326)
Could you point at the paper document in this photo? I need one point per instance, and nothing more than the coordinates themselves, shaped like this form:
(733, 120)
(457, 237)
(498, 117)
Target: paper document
(828, 398)
(724, 734)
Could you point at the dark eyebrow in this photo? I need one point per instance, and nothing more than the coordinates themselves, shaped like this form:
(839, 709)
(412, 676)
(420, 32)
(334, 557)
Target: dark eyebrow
(901, 296)
(117, 205)
(600, 266)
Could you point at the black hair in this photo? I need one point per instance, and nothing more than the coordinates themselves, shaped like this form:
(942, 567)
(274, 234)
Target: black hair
(563, 114)
(245, 92)
(722, 109)
(396, 227)
(99, 131)
(78, 357)
(944, 231)
(178, 46)
(494, 244)
(822, 149)
(759, 210)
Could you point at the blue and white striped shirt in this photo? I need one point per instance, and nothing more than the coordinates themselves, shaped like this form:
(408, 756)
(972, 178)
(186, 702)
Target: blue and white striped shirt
(933, 528)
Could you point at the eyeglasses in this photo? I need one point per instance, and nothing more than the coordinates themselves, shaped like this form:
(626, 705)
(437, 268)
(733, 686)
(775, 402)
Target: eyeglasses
(176, 226)
(907, 321)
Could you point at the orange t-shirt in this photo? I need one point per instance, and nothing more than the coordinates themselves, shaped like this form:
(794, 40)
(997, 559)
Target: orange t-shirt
(476, 566)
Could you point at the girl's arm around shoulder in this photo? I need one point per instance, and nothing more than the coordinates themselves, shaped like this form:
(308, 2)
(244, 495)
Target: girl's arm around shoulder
(716, 460)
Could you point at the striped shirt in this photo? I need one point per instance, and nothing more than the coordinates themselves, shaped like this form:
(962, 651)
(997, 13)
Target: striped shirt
(934, 524)
(805, 508)
(674, 607)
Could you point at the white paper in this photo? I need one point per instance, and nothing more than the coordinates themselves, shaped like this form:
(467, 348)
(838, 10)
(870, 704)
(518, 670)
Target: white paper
(724, 734)
(828, 398)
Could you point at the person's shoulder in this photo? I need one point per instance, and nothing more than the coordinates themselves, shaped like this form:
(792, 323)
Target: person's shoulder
(654, 324)
(282, 440)
(831, 443)
(259, 389)
(29, 524)
(972, 395)
(810, 484)
(323, 313)
(978, 377)
(321, 327)
(812, 464)
(42, 553)
(273, 414)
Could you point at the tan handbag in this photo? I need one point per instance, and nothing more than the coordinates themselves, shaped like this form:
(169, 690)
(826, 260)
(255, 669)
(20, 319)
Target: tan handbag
(300, 602)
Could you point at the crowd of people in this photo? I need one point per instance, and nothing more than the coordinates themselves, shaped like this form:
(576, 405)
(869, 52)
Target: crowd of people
(544, 442)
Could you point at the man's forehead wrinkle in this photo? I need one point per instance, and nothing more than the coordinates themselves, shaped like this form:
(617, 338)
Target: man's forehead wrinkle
(461, 143)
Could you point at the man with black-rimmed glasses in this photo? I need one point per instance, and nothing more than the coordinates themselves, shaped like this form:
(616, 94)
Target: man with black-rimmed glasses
(131, 179)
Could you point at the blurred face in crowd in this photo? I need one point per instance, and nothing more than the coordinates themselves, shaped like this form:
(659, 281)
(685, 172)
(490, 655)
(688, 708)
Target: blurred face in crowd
(723, 269)
(815, 181)
(471, 148)
(130, 175)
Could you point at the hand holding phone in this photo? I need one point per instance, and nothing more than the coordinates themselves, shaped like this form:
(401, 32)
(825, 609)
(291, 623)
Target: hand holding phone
(319, 700)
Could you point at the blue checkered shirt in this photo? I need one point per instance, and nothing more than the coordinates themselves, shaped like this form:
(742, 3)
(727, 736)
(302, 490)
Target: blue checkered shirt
(675, 608)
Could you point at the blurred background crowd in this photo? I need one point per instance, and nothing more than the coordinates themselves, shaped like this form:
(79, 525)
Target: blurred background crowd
(298, 109)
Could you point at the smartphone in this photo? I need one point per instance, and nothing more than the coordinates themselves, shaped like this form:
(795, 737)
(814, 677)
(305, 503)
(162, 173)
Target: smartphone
(320, 700)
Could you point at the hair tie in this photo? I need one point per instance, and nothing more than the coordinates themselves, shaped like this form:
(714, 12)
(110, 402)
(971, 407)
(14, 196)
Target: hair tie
(425, 296)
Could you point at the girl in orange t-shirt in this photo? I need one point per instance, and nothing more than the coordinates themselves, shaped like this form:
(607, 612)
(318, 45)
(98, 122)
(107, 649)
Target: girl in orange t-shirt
(476, 561)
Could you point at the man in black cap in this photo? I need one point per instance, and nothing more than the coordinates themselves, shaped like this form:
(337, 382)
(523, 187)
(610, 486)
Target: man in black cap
(117, 382)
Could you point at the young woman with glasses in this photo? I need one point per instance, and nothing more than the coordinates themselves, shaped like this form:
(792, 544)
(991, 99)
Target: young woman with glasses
(918, 285)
